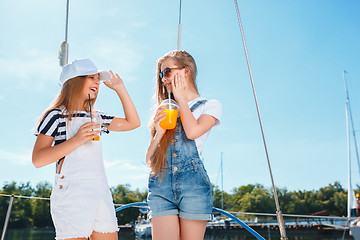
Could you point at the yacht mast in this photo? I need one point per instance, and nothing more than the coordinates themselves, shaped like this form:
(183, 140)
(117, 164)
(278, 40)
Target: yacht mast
(349, 120)
(222, 186)
(179, 29)
(349, 200)
(64, 47)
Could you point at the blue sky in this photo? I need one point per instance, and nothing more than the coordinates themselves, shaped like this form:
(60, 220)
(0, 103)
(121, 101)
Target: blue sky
(297, 49)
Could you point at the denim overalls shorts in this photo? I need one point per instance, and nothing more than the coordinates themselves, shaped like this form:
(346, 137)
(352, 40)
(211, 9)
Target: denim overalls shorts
(185, 187)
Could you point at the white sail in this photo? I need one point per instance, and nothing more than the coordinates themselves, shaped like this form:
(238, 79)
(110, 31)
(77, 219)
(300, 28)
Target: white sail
(351, 200)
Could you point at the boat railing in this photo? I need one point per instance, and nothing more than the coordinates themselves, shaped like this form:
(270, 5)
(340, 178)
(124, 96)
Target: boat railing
(233, 215)
(215, 210)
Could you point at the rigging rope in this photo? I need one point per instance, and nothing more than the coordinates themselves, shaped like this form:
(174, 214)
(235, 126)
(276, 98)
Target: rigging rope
(278, 211)
(233, 213)
(19, 196)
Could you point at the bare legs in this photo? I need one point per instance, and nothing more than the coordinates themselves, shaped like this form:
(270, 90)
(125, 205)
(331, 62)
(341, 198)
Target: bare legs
(192, 229)
(165, 228)
(175, 228)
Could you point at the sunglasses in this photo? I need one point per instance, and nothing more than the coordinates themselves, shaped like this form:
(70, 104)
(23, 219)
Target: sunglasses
(167, 72)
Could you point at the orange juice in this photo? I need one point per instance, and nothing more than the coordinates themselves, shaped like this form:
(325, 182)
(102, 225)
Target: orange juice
(97, 138)
(170, 119)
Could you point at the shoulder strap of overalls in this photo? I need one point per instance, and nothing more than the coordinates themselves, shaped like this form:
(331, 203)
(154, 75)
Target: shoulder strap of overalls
(60, 141)
(197, 104)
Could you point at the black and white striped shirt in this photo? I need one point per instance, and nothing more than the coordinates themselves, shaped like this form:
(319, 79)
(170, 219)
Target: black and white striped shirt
(54, 123)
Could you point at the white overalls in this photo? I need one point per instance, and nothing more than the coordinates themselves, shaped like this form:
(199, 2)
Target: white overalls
(81, 200)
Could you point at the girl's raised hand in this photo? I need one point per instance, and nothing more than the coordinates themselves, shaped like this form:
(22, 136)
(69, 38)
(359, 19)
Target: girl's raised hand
(114, 82)
(179, 87)
(86, 132)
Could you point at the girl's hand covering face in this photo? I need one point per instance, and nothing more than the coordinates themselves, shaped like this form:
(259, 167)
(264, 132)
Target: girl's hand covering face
(179, 86)
(114, 82)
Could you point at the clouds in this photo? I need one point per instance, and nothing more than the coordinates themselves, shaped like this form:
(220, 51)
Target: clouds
(118, 52)
(35, 69)
(119, 171)
(301, 94)
(125, 171)
(22, 158)
(124, 165)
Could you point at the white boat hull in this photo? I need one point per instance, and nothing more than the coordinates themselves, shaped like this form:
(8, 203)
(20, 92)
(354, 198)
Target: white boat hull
(143, 230)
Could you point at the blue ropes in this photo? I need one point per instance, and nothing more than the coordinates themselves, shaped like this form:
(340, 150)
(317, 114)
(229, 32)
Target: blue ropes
(137, 204)
(241, 223)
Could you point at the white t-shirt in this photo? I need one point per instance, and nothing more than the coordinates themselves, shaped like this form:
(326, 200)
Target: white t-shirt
(212, 108)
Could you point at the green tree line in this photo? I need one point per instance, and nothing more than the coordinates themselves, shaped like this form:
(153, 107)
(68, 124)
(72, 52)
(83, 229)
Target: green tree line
(329, 200)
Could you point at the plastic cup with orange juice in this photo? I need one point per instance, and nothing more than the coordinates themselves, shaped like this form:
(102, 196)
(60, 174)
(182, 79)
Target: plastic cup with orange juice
(93, 118)
(97, 138)
(171, 110)
(98, 122)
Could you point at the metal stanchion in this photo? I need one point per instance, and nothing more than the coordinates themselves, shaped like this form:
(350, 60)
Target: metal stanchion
(7, 217)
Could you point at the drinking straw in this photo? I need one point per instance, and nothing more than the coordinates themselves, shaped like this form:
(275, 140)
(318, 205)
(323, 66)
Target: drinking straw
(90, 108)
(90, 112)
(169, 101)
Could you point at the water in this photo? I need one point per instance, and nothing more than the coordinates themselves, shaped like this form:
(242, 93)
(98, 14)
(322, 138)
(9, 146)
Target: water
(236, 236)
(29, 234)
(47, 234)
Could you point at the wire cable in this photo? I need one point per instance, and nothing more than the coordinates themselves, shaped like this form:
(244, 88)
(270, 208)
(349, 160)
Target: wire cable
(278, 211)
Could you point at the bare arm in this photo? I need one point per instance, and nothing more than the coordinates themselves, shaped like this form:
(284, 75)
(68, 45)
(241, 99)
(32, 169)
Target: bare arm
(131, 119)
(193, 128)
(44, 153)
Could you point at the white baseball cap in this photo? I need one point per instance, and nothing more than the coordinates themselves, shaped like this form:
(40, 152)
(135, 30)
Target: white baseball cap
(81, 67)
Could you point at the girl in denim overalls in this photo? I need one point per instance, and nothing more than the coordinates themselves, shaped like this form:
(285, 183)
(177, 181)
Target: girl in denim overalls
(179, 197)
(81, 203)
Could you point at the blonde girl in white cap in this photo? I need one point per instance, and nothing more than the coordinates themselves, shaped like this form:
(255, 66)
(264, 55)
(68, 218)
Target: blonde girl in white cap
(81, 202)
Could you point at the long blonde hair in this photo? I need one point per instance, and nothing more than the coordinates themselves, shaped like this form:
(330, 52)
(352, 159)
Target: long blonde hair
(181, 59)
(68, 97)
